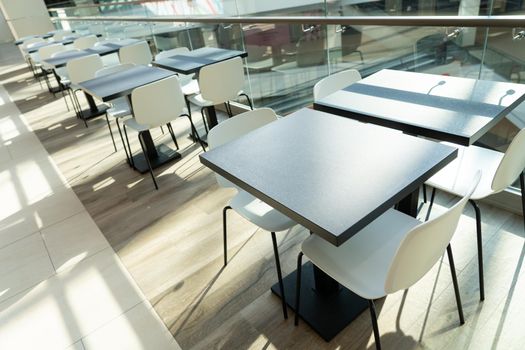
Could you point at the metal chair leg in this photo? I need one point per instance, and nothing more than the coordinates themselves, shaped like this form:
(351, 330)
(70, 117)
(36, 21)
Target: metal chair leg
(424, 193)
(111, 133)
(196, 134)
(480, 250)
(147, 160)
(373, 316)
(129, 146)
(249, 100)
(279, 275)
(123, 143)
(188, 107)
(432, 196)
(455, 283)
(225, 234)
(204, 119)
(170, 129)
(298, 287)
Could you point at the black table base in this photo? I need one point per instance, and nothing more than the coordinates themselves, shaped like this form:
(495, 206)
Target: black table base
(327, 313)
(89, 113)
(164, 155)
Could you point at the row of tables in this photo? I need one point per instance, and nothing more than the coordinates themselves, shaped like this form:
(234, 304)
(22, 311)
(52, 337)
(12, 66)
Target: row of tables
(335, 175)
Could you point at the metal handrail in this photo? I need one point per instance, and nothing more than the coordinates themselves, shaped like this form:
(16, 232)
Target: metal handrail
(428, 21)
(105, 4)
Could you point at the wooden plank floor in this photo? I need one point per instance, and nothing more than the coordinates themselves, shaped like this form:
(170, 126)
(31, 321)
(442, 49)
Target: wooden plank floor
(171, 242)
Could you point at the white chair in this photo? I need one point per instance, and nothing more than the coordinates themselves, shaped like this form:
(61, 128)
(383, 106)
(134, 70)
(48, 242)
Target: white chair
(335, 82)
(248, 206)
(31, 59)
(63, 77)
(154, 105)
(120, 106)
(500, 170)
(188, 84)
(138, 53)
(44, 53)
(388, 255)
(220, 83)
(61, 34)
(85, 42)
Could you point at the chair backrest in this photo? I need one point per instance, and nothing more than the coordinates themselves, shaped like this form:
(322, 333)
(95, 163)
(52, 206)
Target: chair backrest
(236, 127)
(424, 245)
(138, 53)
(61, 34)
(222, 81)
(85, 42)
(335, 82)
(172, 52)
(158, 103)
(83, 68)
(48, 51)
(512, 164)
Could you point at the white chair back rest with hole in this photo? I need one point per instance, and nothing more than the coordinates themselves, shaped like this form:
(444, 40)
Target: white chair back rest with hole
(85, 42)
(335, 82)
(172, 52)
(424, 245)
(60, 35)
(138, 53)
(512, 164)
(158, 103)
(236, 127)
(83, 68)
(222, 81)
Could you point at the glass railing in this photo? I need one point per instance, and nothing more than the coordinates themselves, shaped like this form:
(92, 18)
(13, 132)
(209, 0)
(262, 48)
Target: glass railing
(286, 58)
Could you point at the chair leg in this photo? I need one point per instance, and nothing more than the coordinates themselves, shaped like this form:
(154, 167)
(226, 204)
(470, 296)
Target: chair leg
(188, 107)
(196, 134)
(373, 316)
(123, 143)
(170, 129)
(225, 234)
(64, 96)
(147, 160)
(204, 120)
(248, 99)
(111, 133)
(424, 193)
(228, 110)
(522, 185)
(432, 196)
(298, 287)
(129, 146)
(162, 130)
(480, 250)
(455, 283)
(279, 275)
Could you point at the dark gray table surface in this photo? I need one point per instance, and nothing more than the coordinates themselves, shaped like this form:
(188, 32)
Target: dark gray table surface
(330, 174)
(101, 50)
(458, 110)
(120, 84)
(193, 61)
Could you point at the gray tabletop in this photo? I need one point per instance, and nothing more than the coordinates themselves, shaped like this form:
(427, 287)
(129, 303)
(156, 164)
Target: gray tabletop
(447, 108)
(330, 174)
(193, 61)
(120, 84)
(101, 50)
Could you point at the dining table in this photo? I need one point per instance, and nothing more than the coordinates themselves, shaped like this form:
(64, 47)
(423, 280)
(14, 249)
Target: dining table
(441, 107)
(122, 84)
(333, 176)
(193, 61)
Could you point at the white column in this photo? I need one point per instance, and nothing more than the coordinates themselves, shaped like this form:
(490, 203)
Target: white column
(5, 32)
(26, 17)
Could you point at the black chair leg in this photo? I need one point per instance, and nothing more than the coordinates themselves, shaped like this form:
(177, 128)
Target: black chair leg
(424, 193)
(455, 283)
(480, 250)
(111, 133)
(129, 146)
(123, 143)
(432, 196)
(225, 234)
(373, 316)
(228, 110)
(298, 287)
(196, 134)
(188, 107)
(170, 129)
(147, 160)
(522, 185)
(248, 99)
(279, 275)
(204, 119)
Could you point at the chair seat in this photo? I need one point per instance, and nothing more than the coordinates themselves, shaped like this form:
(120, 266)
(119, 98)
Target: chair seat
(119, 108)
(132, 123)
(190, 87)
(361, 264)
(456, 177)
(201, 102)
(260, 213)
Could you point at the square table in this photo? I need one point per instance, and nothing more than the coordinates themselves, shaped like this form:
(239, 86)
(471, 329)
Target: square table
(120, 84)
(193, 61)
(333, 176)
(458, 110)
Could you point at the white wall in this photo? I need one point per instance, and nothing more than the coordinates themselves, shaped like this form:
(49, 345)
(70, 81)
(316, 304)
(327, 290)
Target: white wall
(26, 17)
